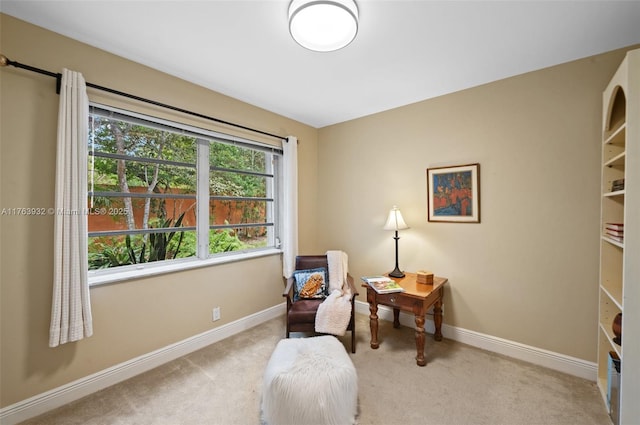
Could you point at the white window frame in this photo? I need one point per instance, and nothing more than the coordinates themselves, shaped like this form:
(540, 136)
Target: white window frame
(202, 258)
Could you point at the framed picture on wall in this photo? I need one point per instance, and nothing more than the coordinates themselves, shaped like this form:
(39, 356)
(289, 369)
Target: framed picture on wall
(453, 194)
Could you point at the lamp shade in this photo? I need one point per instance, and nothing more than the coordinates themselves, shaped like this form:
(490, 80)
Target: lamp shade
(323, 26)
(395, 220)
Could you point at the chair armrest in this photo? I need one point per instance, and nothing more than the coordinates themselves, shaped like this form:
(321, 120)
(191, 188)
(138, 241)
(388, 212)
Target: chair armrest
(288, 288)
(352, 286)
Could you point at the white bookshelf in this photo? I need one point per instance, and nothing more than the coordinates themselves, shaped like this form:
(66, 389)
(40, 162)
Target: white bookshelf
(619, 281)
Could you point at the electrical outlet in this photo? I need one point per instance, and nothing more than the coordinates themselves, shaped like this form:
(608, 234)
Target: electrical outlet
(216, 313)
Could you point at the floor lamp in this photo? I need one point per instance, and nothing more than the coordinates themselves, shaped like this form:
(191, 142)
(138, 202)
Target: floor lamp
(395, 222)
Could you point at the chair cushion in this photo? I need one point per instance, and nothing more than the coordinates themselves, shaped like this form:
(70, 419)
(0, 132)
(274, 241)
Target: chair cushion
(310, 283)
(304, 311)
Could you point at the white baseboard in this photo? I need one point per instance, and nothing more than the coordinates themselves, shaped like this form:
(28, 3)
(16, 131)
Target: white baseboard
(556, 361)
(72, 391)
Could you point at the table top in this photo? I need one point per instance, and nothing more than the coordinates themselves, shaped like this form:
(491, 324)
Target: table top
(413, 288)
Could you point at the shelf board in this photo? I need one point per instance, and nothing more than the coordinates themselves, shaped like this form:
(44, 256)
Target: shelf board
(614, 347)
(612, 242)
(616, 160)
(613, 194)
(617, 137)
(614, 294)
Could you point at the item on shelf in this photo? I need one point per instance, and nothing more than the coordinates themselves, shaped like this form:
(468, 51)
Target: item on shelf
(614, 232)
(617, 329)
(382, 284)
(613, 387)
(617, 185)
(424, 277)
(615, 237)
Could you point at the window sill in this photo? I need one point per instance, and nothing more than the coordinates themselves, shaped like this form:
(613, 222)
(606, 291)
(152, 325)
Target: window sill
(103, 277)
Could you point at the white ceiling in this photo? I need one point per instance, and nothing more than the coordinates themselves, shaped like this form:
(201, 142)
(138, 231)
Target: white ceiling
(405, 51)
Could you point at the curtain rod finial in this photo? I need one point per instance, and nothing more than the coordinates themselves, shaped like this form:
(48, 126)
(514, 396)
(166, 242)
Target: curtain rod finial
(4, 61)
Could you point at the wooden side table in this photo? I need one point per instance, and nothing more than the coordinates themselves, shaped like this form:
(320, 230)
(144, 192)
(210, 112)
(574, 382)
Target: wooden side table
(416, 298)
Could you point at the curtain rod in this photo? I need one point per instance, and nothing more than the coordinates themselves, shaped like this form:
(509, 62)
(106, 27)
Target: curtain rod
(5, 61)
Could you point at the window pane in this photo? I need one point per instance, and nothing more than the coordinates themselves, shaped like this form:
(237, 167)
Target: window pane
(145, 184)
(226, 240)
(238, 174)
(228, 183)
(156, 169)
(112, 213)
(113, 136)
(243, 213)
(116, 251)
(236, 157)
(237, 212)
(158, 191)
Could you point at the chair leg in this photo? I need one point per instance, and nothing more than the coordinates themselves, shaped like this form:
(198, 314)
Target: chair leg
(353, 331)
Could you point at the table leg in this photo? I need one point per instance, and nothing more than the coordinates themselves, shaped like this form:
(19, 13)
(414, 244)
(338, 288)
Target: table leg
(437, 320)
(396, 318)
(420, 360)
(373, 324)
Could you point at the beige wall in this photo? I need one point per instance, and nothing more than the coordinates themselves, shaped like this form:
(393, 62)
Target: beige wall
(132, 318)
(529, 271)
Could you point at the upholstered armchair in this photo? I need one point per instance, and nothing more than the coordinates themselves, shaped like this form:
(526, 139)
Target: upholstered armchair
(301, 312)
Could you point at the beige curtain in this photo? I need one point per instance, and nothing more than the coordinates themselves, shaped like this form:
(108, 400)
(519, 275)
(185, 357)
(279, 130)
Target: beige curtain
(71, 306)
(290, 207)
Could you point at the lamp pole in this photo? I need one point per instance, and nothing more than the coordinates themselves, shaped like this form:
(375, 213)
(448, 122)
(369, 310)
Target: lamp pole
(396, 272)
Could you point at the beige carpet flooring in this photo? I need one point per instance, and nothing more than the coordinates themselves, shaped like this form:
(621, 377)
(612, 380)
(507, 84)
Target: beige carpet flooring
(460, 385)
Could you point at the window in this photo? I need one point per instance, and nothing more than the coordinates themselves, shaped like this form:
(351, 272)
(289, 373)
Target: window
(162, 191)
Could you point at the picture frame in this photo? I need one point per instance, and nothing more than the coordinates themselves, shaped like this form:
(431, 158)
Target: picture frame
(453, 194)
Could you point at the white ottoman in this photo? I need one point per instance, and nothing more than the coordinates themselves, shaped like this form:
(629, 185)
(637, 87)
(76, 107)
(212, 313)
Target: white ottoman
(310, 381)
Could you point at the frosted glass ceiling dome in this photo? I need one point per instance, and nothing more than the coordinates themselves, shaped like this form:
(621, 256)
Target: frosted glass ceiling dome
(323, 26)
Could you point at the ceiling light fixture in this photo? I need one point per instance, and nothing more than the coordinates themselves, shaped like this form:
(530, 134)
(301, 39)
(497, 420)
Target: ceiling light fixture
(323, 26)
